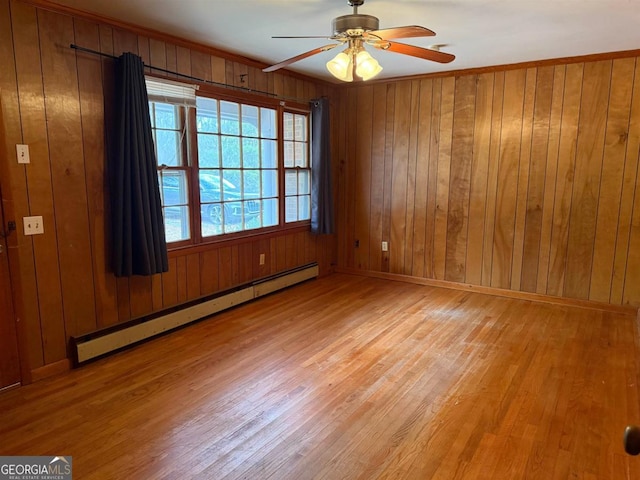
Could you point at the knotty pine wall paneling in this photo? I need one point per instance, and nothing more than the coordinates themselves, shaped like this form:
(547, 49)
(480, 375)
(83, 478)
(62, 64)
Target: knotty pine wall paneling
(508, 173)
(564, 178)
(57, 100)
(90, 81)
(492, 176)
(38, 185)
(373, 255)
(20, 259)
(535, 190)
(627, 238)
(551, 142)
(363, 147)
(611, 181)
(421, 145)
(433, 89)
(523, 179)
(14, 180)
(66, 157)
(388, 169)
(479, 178)
(445, 132)
(596, 85)
(460, 178)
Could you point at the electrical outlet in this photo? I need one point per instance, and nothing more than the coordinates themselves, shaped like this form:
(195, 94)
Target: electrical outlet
(22, 152)
(385, 246)
(33, 225)
(262, 259)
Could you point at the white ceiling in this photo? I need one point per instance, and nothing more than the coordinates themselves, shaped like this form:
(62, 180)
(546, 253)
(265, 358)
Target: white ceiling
(478, 32)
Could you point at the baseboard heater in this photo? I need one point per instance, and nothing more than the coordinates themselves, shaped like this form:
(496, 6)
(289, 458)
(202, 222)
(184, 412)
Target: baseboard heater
(97, 344)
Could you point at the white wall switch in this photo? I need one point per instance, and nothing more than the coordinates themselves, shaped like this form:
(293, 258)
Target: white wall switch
(33, 225)
(22, 152)
(385, 246)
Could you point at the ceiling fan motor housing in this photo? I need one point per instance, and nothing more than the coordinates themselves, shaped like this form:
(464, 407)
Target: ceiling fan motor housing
(354, 21)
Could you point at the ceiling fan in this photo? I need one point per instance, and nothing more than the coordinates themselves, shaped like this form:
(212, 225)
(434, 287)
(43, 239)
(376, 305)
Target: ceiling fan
(355, 31)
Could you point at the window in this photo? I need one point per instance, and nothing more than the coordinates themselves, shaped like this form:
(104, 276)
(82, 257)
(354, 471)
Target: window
(238, 166)
(168, 126)
(297, 171)
(224, 169)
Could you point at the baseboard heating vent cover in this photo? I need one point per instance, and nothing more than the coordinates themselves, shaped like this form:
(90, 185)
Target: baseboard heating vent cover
(99, 343)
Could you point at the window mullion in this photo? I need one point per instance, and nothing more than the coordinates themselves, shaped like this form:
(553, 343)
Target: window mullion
(281, 168)
(191, 161)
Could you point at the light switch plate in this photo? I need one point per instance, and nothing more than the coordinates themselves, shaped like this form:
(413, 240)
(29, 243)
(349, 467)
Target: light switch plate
(22, 152)
(33, 225)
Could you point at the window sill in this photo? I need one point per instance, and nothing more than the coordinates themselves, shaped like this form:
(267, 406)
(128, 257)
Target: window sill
(183, 250)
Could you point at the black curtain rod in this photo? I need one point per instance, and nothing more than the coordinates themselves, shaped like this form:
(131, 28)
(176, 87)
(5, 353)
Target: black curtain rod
(190, 77)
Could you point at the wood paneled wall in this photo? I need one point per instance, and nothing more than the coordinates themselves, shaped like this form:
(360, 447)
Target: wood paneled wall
(523, 180)
(53, 99)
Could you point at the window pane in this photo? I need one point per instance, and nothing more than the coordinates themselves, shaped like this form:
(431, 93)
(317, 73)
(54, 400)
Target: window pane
(166, 116)
(152, 115)
(208, 150)
(288, 126)
(249, 121)
(209, 186)
(251, 183)
(291, 209)
(232, 217)
(231, 152)
(230, 118)
(167, 148)
(250, 153)
(303, 182)
(269, 212)
(207, 115)
(267, 123)
(211, 215)
(174, 188)
(304, 207)
(301, 154)
(269, 154)
(252, 214)
(290, 182)
(230, 185)
(269, 183)
(300, 128)
(176, 223)
(288, 154)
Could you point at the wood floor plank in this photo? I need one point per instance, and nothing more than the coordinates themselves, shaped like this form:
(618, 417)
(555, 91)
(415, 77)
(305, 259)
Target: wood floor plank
(350, 377)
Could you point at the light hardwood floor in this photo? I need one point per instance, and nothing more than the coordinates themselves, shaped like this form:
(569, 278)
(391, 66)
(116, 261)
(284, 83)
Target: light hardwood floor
(349, 377)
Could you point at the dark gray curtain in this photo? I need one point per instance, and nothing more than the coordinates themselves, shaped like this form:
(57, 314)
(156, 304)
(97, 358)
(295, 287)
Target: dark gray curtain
(137, 228)
(321, 191)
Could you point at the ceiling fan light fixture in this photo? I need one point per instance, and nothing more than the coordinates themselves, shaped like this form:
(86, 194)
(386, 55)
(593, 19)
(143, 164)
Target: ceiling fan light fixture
(341, 67)
(355, 31)
(367, 67)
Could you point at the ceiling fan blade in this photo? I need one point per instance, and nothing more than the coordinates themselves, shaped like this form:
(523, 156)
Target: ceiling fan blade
(401, 32)
(413, 51)
(302, 56)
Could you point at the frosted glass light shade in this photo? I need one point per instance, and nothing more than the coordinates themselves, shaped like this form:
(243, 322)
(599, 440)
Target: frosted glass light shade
(366, 66)
(341, 67)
